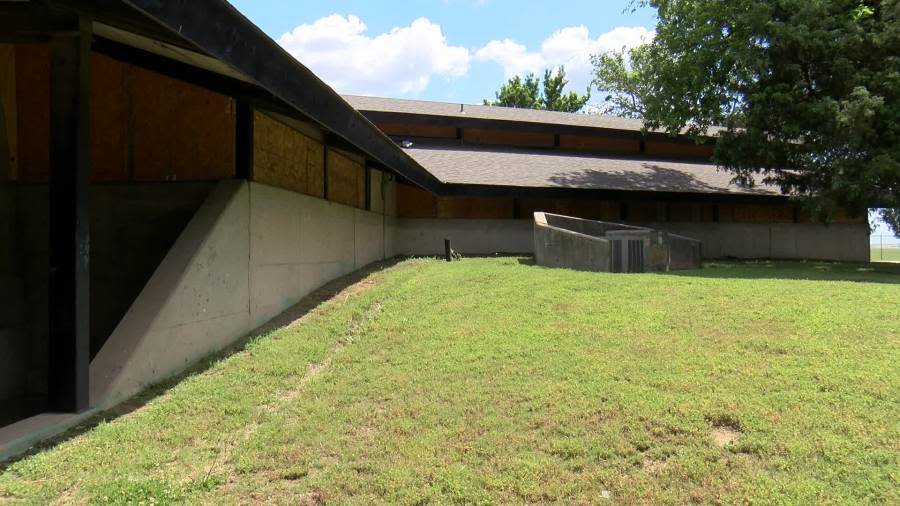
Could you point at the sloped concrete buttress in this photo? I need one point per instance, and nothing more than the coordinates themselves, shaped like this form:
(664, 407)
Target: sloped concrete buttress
(195, 303)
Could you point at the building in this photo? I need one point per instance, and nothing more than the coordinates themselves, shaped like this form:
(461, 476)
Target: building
(500, 165)
(170, 179)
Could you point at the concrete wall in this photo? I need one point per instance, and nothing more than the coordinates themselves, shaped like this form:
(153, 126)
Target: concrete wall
(250, 252)
(843, 242)
(555, 247)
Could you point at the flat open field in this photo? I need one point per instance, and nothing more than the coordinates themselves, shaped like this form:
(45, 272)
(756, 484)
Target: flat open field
(495, 381)
(886, 254)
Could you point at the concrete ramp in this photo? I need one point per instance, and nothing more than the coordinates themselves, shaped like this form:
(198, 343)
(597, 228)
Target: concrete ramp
(575, 243)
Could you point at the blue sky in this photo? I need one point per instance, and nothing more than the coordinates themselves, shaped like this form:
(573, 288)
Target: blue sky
(450, 50)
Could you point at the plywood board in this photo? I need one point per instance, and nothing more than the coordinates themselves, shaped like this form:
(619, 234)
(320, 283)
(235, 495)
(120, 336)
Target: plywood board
(413, 202)
(315, 169)
(110, 111)
(280, 155)
(344, 175)
(507, 138)
(33, 111)
(475, 207)
(599, 144)
(679, 150)
(181, 132)
(9, 112)
(428, 131)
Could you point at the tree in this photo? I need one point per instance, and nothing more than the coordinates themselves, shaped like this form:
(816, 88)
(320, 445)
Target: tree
(808, 93)
(534, 93)
(621, 75)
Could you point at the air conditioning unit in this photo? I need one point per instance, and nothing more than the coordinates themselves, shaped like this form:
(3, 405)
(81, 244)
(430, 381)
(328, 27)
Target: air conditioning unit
(627, 255)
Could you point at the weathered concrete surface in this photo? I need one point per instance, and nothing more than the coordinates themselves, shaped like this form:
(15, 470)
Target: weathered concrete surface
(555, 247)
(469, 236)
(790, 241)
(841, 242)
(299, 243)
(250, 252)
(195, 303)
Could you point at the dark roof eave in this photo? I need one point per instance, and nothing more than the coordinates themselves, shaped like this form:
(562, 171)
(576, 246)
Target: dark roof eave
(486, 190)
(223, 32)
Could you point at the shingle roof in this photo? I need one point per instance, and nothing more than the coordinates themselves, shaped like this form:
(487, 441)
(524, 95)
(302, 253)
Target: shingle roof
(555, 169)
(490, 112)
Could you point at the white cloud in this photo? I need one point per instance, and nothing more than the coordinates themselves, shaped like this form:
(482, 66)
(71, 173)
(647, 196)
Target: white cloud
(570, 46)
(514, 57)
(399, 62)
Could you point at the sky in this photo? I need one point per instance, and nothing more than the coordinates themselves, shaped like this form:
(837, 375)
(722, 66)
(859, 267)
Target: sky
(446, 50)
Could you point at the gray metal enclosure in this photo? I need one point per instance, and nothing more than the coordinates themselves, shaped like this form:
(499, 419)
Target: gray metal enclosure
(575, 243)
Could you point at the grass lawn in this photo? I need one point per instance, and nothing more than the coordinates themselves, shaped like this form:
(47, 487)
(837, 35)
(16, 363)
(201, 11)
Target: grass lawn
(494, 381)
(890, 254)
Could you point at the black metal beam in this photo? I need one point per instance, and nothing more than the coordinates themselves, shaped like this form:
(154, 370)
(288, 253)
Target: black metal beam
(69, 216)
(243, 140)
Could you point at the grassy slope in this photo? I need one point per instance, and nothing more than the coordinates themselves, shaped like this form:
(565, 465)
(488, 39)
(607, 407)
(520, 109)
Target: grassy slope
(491, 381)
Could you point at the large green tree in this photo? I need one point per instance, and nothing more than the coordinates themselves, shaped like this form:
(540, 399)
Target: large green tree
(534, 93)
(808, 92)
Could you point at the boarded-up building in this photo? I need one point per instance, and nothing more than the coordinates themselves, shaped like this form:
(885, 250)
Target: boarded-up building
(499, 165)
(170, 179)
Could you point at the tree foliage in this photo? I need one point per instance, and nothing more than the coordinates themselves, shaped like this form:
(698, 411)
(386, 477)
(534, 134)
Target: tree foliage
(808, 92)
(534, 93)
(620, 74)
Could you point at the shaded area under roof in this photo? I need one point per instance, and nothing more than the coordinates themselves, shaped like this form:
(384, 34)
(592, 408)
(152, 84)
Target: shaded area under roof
(555, 169)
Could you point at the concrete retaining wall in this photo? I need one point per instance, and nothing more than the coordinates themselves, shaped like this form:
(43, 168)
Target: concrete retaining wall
(469, 237)
(843, 242)
(555, 247)
(250, 252)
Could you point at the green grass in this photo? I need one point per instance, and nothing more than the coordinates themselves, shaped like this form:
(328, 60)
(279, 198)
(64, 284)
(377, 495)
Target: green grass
(886, 254)
(494, 381)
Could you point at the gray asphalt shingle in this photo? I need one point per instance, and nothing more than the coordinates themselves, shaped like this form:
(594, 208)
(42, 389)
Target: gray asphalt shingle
(548, 169)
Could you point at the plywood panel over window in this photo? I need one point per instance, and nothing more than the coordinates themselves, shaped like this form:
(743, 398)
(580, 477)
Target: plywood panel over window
(475, 207)
(527, 207)
(644, 212)
(375, 186)
(678, 149)
(33, 111)
(600, 144)
(507, 137)
(691, 212)
(286, 158)
(429, 131)
(181, 131)
(144, 126)
(110, 82)
(315, 169)
(414, 202)
(8, 105)
(346, 179)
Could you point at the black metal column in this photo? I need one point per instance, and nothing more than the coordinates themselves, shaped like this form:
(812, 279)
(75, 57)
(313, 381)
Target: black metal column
(243, 142)
(70, 239)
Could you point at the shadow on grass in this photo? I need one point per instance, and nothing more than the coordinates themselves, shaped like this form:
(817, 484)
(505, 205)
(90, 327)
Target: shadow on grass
(289, 316)
(796, 270)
